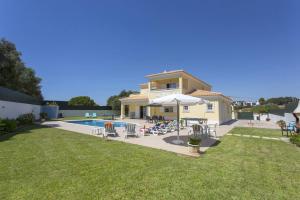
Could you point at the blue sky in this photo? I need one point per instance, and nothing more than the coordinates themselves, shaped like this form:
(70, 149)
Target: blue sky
(97, 48)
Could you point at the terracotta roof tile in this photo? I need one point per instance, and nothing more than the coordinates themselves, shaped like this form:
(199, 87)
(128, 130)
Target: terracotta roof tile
(198, 93)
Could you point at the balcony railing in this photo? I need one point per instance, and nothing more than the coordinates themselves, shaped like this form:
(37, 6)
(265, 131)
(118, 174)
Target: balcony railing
(164, 92)
(158, 89)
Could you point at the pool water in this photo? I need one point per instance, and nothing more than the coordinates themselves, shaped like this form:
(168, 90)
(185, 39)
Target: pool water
(99, 123)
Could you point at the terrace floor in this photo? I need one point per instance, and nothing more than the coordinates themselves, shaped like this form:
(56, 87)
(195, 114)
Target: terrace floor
(163, 142)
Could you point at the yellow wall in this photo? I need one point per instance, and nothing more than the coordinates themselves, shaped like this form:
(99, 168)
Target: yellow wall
(161, 84)
(200, 111)
(225, 111)
(221, 111)
(190, 85)
(159, 111)
(144, 91)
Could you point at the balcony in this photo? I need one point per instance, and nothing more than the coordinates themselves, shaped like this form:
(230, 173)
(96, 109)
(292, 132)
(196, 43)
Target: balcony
(155, 93)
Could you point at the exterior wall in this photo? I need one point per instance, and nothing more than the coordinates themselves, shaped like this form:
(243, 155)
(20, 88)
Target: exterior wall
(12, 110)
(200, 111)
(225, 111)
(52, 111)
(190, 85)
(81, 113)
(144, 91)
(160, 93)
(288, 117)
(161, 84)
(159, 111)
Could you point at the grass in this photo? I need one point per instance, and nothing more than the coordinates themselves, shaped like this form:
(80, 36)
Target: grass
(257, 132)
(48, 163)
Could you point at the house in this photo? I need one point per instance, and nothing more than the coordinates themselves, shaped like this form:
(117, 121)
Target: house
(218, 110)
(245, 103)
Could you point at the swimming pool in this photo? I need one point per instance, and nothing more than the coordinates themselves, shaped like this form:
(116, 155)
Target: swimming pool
(99, 123)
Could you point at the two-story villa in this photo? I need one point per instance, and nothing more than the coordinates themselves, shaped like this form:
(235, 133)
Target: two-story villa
(177, 82)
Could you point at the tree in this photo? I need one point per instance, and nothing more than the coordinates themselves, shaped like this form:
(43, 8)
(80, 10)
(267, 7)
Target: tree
(114, 101)
(82, 101)
(14, 74)
(264, 109)
(281, 100)
(262, 101)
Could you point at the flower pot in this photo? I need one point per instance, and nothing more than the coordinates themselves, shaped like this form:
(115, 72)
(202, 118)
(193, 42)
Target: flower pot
(194, 148)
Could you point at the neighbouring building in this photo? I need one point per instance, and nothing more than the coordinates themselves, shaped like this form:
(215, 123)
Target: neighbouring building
(218, 110)
(245, 103)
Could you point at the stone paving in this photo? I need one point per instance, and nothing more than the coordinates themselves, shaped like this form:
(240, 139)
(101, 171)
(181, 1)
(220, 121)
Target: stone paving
(163, 142)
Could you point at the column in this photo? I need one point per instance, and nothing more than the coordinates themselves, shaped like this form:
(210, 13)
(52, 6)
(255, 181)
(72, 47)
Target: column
(122, 111)
(180, 84)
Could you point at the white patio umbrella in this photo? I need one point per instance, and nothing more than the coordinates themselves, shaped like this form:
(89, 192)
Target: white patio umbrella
(177, 100)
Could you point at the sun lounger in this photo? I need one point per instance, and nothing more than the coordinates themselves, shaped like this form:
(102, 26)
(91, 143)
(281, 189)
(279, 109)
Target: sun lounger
(87, 115)
(110, 129)
(94, 115)
(130, 130)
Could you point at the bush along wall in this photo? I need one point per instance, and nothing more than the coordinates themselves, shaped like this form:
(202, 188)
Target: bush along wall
(10, 125)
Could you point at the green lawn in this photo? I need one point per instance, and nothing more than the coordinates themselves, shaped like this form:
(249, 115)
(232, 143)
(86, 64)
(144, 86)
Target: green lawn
(48, 163)
(257, 132)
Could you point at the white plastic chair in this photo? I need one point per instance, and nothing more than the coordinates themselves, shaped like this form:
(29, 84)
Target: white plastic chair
(212, 128)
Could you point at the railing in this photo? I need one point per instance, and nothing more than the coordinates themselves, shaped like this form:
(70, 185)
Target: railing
(163, 92)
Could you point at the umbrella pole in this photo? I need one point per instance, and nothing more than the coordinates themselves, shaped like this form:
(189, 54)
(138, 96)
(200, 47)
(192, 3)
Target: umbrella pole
(178, 141)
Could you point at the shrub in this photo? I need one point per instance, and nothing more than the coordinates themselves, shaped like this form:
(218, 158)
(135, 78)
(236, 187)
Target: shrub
(26, 119)
(194, 140)
(295, 139)
(44, 115)
(8, 125)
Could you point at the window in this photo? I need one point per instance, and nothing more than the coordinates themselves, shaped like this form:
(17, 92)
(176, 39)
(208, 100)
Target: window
(210, 107)
(185, 109)
(168, 109)
(171, 85)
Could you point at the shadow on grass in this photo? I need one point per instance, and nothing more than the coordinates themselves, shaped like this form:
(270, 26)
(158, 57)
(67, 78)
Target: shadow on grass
(206, 142)
(22, 130)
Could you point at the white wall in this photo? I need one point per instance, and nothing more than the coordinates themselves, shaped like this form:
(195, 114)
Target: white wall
(81, 113)
(12, 110)
(274, 118)
(288, 117)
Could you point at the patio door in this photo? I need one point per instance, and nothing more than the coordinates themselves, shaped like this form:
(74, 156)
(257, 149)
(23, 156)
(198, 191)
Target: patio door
(143, 112)
(126, 110)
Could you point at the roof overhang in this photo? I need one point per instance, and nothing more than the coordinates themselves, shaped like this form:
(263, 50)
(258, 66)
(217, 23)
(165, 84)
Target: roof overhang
(175, 74)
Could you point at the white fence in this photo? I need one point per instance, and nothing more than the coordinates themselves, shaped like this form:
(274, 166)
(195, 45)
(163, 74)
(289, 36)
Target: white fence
(81, 113)
(12, 110)
(274, 118)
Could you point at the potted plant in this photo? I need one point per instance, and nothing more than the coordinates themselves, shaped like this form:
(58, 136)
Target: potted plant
(194, 144)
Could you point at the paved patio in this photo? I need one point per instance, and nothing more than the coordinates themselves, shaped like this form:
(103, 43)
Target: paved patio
(163, 142)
